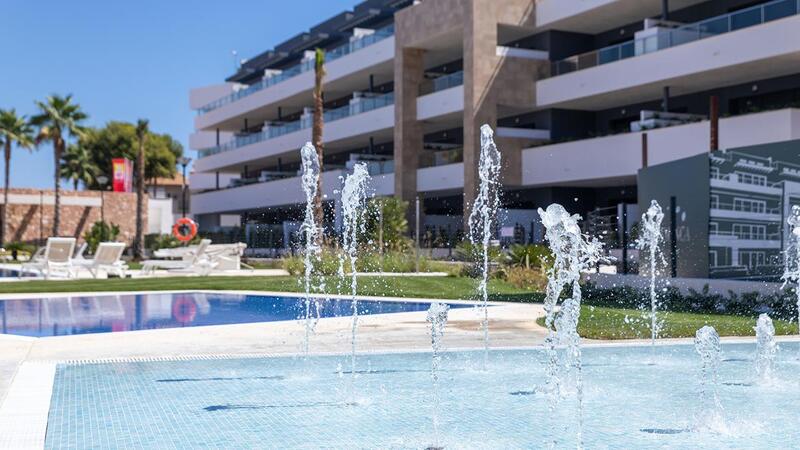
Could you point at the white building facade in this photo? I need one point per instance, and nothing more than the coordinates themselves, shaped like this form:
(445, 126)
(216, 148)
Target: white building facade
(570, 86)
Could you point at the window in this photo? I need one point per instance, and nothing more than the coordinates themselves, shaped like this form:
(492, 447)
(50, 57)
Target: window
(713, 228)
(712, 259)
(751, 259)
(715, 173)
(751, 178)
(714, 201)
(749, 205)
(749, 231)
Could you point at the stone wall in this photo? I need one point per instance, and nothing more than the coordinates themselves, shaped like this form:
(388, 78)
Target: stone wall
(30, 214)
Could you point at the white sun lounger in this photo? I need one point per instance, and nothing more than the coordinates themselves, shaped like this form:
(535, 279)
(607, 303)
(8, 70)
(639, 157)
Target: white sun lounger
(57, 258)
(107, 258)
(195, 261)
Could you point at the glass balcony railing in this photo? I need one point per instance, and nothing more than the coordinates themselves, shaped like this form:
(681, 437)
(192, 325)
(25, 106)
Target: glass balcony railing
(305, 66)
(361, 106)
(715, 26)
(441, 157)
(448, 81)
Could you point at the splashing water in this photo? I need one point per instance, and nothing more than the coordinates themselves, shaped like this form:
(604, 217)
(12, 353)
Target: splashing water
(573, 252)
(437, 316)
(766, 347)
(312, 232)
(791, 272)
(482, 217)
(650, 240)
(707, 345)
(354, 196)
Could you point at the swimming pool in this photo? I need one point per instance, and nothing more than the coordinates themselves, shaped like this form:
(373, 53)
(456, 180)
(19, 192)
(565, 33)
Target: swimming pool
(14, 273)
(80, 314)
(630, 402)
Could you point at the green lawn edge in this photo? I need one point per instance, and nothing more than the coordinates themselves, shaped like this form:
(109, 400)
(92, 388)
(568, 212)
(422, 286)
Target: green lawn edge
(618, 323)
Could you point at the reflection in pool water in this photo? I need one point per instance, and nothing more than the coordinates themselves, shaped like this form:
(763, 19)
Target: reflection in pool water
(55, 316)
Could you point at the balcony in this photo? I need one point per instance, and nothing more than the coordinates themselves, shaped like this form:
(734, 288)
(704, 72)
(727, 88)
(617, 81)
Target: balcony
(443, 96)
(727, 23)
(596, 16)
(359, 106)
(618, 157)
(298, 69)
(744, 240)
(744, 212)
(448, 81)
(692, 58)
(736, 183)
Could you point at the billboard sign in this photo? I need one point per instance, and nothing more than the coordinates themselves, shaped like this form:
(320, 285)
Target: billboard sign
(122, 180)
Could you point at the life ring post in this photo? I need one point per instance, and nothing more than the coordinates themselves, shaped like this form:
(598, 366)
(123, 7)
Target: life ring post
(185, 229)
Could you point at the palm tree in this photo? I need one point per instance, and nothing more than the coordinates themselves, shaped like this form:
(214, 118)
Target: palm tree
(13, 128)
(316, 130)
(77, 166)
(59, 117)
(141, 134)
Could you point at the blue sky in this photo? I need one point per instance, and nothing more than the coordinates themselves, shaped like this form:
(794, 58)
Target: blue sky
(123, 60)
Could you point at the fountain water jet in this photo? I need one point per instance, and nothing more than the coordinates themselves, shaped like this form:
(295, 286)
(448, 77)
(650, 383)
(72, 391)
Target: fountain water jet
(354, 196)
(312, 232)
(766, 347)
(573, 252)
(707, 345)
(482, 219)
(791, 272)
(437, 316)
(650, 240)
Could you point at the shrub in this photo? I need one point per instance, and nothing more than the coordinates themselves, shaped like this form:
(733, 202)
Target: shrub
(780, 305)
(529, 256)
(368, 261)
(532, 279)
(394, 261)
(17, 248)
(293, 264)
(154, 242)
(100, 232)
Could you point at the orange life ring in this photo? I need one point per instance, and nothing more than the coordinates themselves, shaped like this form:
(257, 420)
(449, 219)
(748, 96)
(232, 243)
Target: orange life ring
(185, 229)
(184, 309)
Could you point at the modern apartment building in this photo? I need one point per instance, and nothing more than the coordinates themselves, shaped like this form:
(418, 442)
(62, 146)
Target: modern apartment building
(571, 87)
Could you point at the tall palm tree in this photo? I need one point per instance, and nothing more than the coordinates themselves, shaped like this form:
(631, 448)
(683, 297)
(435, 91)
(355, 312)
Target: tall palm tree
(316, 129)
(77, 166)
(141, 135)
(58, 119)
(13, 129)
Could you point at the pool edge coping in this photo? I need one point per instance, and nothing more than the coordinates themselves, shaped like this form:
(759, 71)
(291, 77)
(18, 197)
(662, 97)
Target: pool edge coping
(25, 410)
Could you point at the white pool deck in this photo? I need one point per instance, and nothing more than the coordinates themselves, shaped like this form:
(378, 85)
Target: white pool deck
(27, 365)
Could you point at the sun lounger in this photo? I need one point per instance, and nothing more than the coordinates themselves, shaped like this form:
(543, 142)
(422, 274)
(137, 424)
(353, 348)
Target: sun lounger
(107, 258)
(55, 259)
(195, 261)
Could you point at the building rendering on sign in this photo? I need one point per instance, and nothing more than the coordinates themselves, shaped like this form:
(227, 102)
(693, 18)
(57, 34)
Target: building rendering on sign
(731, 223)
(582, 95)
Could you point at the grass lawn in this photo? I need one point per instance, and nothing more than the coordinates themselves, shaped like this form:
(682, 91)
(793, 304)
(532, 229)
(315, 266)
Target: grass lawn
(613, 323)
(455, 288)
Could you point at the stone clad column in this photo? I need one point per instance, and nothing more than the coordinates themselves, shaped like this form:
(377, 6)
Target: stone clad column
(408, 137)
(480, 65)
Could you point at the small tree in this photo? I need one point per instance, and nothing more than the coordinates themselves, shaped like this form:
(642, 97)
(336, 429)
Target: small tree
(393, 223)
(100, 232)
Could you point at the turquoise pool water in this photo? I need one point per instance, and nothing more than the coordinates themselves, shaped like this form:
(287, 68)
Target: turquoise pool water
(633, 399)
